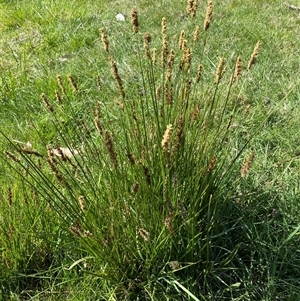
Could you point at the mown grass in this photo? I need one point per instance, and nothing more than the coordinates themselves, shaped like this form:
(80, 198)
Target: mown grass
(41, 39)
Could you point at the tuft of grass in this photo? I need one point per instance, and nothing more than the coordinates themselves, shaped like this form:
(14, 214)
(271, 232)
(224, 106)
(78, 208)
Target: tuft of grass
(146, 192)
(155, 177)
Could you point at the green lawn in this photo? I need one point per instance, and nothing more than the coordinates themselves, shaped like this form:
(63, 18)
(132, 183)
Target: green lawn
(139, 182)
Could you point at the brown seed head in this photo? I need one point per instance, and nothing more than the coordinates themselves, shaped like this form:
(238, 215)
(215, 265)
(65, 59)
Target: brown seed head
(9, 196)
(170, 66)
(246, 111)
(184, 45)
(163, 26)
(97, 119)
(154, 56)
(60, 84)
(75, 231)
(12, 156)
(179, 132)
(237, 70)
(117, 77)
(196, 33)
(109, 143)
(166, 138)
(46, 103)
(181, 39)
(104, 39)
(147, 174)
(165, 51)
(171, 59)
(51, 160)
(182, 211)
(211, 164)
(72, 82)
(98, 80)
(131, 158)
(169, 93)
(220, 70)
(144, 234)
(199, 73)
(87, 233)
(30, 151)
(134, 20)
(127, 209)
(208, 15)
(135, 187)
(158, 92)
(58, 97)
(246, 166)
(82, 203)
(254, 55)
(195, 112)
(147, 40)
(187, 59)
(192, 7)
(169, 224)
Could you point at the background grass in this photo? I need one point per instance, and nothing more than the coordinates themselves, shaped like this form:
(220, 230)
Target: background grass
(40, 39)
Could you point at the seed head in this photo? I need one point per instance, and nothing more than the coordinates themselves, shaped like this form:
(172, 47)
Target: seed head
(169, 93)
(211, 164)
(82, 203)
(170, 66)
(246, 111)
(12, 156)
(192, 7)
(109, 143)
(208, 15)
(98, 80)
(9, 196)
(163, 26)
(187, 59)
(169, 224)
(165, 51)
(147, 174)
(97, 119)
(144, 234)
(53, 164)
(60, 84)
(179, 133)
(58, 97)
(72, 82)
(117, 77)
(237, 74)
(158, 92)
(131, 158)
(220, 70)
(254, 55)
(166, 138)
(182, 211)
(196, 33)
(135, 187)
(199, 73)
(46, 103)
(181, 39)
(134, 20)
(246, 166)
(195, 112)
(104, 39)
(147, 40)
(154, 56)
(175, 265)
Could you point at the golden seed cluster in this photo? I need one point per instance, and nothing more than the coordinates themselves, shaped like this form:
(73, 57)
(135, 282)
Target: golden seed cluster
(208, 15)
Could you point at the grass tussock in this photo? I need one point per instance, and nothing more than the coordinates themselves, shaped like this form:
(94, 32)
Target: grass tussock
(142, 189)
